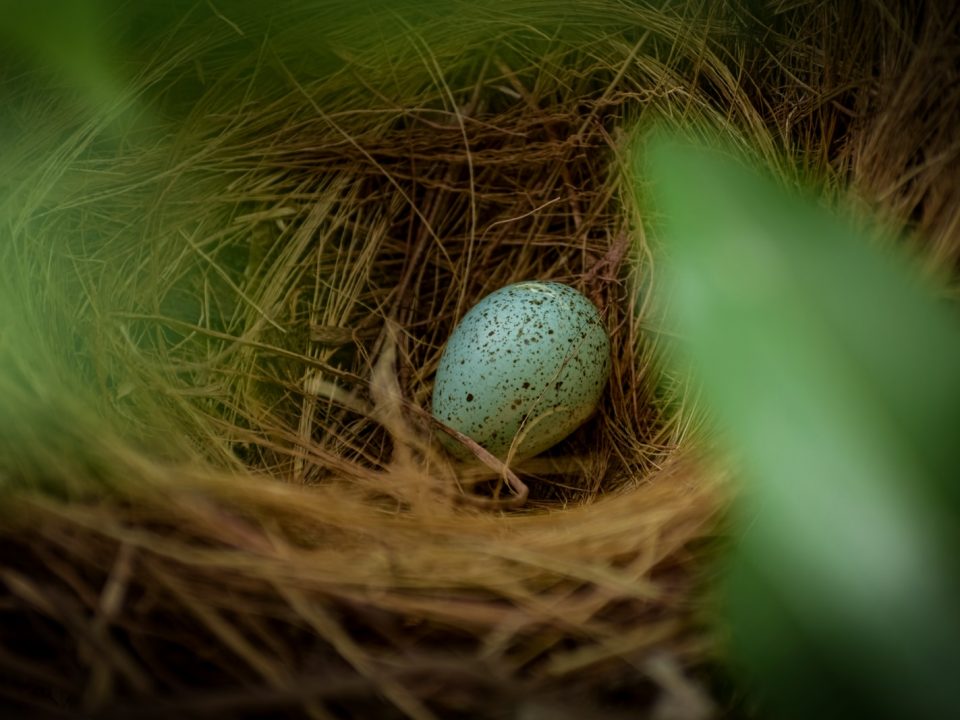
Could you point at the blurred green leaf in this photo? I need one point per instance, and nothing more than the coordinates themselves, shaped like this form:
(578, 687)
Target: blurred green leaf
(67, 38)
(831, 371)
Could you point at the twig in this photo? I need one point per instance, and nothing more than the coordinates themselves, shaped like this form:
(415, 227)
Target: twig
(520, 488)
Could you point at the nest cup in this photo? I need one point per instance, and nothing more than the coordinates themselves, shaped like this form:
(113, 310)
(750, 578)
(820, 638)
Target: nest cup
(233, 286)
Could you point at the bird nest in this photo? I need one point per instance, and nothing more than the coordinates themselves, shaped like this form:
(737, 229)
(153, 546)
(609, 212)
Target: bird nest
(227, 293)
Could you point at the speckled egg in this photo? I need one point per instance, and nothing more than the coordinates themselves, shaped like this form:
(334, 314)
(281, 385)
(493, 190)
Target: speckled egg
(526, 365)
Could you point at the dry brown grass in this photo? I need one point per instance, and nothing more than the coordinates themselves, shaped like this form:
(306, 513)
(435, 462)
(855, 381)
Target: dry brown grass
(223, 500)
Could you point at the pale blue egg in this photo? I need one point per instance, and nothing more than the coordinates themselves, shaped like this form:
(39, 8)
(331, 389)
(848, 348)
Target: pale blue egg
(526, 365)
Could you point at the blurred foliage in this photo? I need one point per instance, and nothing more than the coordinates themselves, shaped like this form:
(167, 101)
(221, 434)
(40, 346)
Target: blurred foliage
(830, 370)
(73, 40)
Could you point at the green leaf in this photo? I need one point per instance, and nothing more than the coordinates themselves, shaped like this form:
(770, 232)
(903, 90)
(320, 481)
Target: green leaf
(831, 371)
(68, 38)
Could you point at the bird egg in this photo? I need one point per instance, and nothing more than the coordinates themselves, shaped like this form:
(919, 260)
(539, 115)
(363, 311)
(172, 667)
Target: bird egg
(523, 369)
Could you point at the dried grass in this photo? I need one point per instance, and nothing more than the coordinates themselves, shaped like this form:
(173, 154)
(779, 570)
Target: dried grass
(226, 298)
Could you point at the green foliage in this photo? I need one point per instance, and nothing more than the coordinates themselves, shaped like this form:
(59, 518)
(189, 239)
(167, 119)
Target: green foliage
(830, 370)
(70, 39)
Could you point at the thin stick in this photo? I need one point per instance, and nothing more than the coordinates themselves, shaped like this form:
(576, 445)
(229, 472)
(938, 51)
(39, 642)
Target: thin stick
(485, 456)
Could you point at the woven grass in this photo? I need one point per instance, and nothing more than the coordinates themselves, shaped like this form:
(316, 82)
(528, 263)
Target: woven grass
(225, 299)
